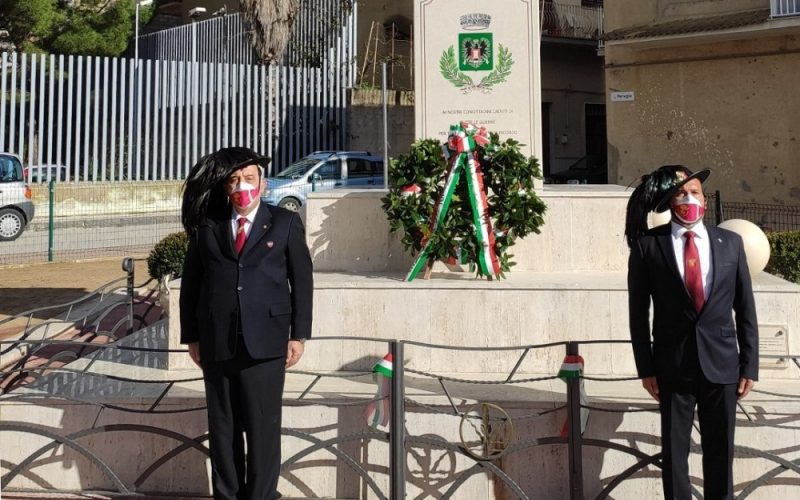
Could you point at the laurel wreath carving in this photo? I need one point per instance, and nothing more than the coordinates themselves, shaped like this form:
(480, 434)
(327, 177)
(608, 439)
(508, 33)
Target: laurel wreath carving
(448, 66)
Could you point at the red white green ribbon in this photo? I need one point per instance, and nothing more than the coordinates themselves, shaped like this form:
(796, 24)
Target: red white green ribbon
(461, 153)
(572, 368)
(377, 412)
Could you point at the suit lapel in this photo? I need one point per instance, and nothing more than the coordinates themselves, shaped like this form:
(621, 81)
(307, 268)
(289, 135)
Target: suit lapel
(716, 244)
(261, 225)
(224, 234)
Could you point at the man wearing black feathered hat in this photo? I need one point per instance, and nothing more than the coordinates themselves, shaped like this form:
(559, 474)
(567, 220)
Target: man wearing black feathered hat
(704, 350)
(246, 302)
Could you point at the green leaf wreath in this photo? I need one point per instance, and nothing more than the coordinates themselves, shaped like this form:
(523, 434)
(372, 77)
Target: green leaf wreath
(416, 182)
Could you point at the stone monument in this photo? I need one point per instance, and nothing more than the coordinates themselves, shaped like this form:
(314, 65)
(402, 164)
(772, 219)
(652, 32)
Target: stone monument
(478, 62)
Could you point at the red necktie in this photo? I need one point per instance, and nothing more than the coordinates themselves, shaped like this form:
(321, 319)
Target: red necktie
(241, 235)
(692, 272)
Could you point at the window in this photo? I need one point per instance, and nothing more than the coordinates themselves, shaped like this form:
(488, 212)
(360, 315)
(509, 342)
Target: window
(331, 170)
(359, 168)
(10, 169)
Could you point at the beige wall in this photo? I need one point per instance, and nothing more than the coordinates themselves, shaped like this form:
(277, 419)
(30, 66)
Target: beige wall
(730, 106)
(626, 13)
(365, 121)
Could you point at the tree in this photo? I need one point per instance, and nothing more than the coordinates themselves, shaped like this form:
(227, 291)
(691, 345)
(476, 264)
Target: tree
(269, 23)
(88, 27)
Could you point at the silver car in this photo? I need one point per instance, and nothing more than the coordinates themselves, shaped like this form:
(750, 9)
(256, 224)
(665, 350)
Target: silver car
(16, 207)
(320, 171)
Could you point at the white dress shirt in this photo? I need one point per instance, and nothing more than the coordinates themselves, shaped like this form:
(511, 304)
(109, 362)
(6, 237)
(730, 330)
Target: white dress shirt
(247, 225)
(703, 244)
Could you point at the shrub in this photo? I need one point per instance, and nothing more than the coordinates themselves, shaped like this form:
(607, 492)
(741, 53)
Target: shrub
(167, 256)
(784, 258)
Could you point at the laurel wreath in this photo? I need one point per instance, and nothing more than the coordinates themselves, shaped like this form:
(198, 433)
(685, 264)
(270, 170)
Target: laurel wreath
(448, 65)
(514, 207)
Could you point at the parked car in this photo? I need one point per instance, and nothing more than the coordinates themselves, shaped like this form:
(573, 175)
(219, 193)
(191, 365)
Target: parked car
(16, 207)
(320, 171)
(588, 170)
(43, 173)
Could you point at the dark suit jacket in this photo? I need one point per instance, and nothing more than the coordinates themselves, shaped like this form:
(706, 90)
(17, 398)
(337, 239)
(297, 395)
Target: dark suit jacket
(727, 346)
(271, 283)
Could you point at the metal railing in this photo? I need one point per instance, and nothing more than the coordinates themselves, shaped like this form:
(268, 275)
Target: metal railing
(571, 21)
(119, 119)
(782, 8)
(50, 383)
(77, 220)
(766, 216)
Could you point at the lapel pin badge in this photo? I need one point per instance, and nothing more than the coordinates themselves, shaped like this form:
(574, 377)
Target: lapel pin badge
(719, 239)
(270, 244)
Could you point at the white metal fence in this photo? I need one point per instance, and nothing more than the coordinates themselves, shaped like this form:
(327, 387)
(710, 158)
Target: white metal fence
(322, 29)
(785, 8)
(109, 119)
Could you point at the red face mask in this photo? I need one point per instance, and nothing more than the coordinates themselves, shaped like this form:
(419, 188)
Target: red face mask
(244, 195)
(687, 211)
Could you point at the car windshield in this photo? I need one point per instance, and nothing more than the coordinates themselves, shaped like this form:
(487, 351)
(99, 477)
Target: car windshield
(298, 168)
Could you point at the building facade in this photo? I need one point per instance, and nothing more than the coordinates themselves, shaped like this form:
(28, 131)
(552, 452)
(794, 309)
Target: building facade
(709, 84)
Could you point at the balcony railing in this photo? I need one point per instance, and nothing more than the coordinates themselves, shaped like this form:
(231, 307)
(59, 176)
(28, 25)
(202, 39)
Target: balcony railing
(782, 8)
(572, 21)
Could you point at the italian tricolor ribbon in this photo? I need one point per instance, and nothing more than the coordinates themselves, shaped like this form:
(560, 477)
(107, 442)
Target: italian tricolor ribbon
(571, 368)
(462, 158)
(377, 412)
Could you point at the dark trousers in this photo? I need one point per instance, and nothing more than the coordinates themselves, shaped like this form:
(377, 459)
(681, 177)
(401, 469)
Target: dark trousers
(244, 404)
(716, 414)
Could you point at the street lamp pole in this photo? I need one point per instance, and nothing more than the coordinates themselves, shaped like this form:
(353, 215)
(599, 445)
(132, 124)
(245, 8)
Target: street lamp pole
(135, 152)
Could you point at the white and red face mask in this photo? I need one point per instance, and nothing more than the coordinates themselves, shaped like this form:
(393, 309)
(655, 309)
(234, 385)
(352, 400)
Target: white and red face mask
(687, 211)
(244, 195)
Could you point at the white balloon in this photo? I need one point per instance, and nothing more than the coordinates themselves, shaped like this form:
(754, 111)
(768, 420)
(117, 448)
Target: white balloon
(655, 219)
(756, 244)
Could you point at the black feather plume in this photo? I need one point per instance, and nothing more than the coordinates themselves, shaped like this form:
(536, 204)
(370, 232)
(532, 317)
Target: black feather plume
(646, 197)
(203, 192)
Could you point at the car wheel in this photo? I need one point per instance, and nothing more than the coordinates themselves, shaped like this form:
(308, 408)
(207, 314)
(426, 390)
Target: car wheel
(12, 223)
(290, 203)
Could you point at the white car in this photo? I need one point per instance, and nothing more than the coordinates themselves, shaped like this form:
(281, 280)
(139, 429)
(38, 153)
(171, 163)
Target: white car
(16, 207)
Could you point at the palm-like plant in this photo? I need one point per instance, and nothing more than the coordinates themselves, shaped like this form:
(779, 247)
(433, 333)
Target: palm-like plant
(269, 23)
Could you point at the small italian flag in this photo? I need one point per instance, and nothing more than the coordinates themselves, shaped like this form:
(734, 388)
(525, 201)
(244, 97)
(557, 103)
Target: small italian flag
(377, 411)
(572, 368)
(384, 366)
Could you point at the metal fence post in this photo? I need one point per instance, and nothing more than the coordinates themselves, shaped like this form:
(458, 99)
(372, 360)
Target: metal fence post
(574, 437)
(397, 429)
(718, 208)
(127, 266)
(51, 190)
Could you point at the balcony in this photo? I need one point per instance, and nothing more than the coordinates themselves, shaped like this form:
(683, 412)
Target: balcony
(784, 8)
(563, 20)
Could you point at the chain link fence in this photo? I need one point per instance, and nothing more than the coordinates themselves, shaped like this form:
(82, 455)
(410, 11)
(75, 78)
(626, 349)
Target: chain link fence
(87, 220)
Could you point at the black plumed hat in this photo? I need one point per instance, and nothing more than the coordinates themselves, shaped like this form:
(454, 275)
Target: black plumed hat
(653, 193)
(203, 191)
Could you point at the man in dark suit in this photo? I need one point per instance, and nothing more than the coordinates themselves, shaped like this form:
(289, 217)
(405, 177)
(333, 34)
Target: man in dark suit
(246, 302)
(704, 350)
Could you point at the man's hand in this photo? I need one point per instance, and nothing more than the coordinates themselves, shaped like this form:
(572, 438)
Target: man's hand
(651, 385)
(194, 353)
(745, 384)
(294, 352)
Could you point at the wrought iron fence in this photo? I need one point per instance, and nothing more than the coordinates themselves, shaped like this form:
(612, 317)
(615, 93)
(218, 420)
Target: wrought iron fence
(72, 366)
(766, 216)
